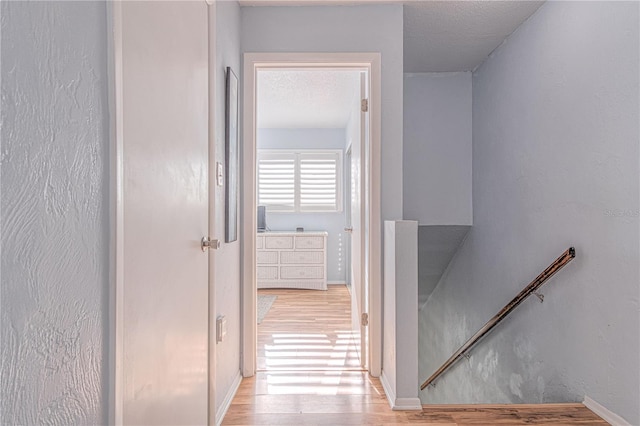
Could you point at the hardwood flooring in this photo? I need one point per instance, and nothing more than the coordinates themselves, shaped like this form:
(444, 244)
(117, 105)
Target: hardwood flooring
(308, 330)
(310, 376)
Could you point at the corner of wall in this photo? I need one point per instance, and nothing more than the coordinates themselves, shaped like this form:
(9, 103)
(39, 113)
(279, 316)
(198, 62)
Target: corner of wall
(606, 414)
(221, 411)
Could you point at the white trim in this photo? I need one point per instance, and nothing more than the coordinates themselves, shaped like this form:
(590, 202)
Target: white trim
(375, 221)
(212, 314)
(398, 404)
(336, 283)
(388, 390)
(248, 221)
(116, 213)
(407, 404)
(224, 407)
(253, 61)
(605, 413)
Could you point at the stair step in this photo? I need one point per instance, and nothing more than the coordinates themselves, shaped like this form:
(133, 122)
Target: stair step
(512, 414)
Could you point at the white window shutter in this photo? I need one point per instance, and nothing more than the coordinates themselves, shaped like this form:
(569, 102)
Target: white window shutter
(276, 181)
(319, 177)
(300, 181)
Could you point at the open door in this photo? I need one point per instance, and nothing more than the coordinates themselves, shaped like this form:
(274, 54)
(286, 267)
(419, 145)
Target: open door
(355, 226)
(165, 201)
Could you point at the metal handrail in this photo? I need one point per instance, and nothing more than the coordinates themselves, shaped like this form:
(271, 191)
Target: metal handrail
(560, 262)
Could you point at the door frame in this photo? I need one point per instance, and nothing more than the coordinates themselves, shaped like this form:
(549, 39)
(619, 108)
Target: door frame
(349, 221)
(373, 265)
(115, 415)
(115, 314)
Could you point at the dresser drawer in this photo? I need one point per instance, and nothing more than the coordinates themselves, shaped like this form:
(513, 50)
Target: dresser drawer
(291, 260)
(309, 242)
(278, 242)
(301, 272)
(298, 257)
(267, 257)
(267, 272)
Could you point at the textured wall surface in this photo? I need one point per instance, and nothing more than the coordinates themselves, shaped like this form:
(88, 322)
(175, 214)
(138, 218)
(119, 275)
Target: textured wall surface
(54, 213)
(333, 223)
(555, 163)
(227, 258)
(458, 35)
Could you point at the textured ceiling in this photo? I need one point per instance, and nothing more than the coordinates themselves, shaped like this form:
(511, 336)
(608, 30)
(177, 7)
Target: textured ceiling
(443, 35)
(458, 35)
(306, 98)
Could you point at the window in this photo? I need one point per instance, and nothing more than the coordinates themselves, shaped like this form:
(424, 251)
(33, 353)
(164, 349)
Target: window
(300, 181)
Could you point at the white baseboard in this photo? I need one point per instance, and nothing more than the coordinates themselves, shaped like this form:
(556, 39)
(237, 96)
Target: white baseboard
(222, 411)
(603, 412)
(388, 391)
(336, 283)
(398, 404)
(407, 404)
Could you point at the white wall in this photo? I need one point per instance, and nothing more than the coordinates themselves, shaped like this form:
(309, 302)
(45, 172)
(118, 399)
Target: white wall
(437, 181)
(555, 164)
(333, 223)
(54, 203)
(437, 148)
(227, 258)
(400, 352)
(371, 28)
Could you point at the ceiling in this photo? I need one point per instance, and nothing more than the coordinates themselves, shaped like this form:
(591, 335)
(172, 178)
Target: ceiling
(443, 35)
(306, 98)
(458, 35)
(439, 36)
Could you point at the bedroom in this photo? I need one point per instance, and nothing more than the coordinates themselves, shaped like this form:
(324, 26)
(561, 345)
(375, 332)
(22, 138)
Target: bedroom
(307, 122)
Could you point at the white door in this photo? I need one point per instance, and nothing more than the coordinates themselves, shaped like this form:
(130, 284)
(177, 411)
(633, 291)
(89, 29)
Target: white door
(165, 210)
(356, 212)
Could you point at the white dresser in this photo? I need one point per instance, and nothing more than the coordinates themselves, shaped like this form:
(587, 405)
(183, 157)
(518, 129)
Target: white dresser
(292, 260)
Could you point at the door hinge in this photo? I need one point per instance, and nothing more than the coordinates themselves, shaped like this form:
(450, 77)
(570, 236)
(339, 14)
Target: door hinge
(364, 105)
(364, 319)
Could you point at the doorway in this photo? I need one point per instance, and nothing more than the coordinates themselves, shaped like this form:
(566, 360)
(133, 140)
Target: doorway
(306, 117)
(369, 66)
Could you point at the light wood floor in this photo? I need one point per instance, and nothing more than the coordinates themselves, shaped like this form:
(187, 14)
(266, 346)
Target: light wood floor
(305, 382)
(308, 330)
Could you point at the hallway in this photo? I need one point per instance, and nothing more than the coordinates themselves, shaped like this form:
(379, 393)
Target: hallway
(309, 375)
(308, 363)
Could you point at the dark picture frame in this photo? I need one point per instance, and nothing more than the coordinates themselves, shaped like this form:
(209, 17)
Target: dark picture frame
(231, 157)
